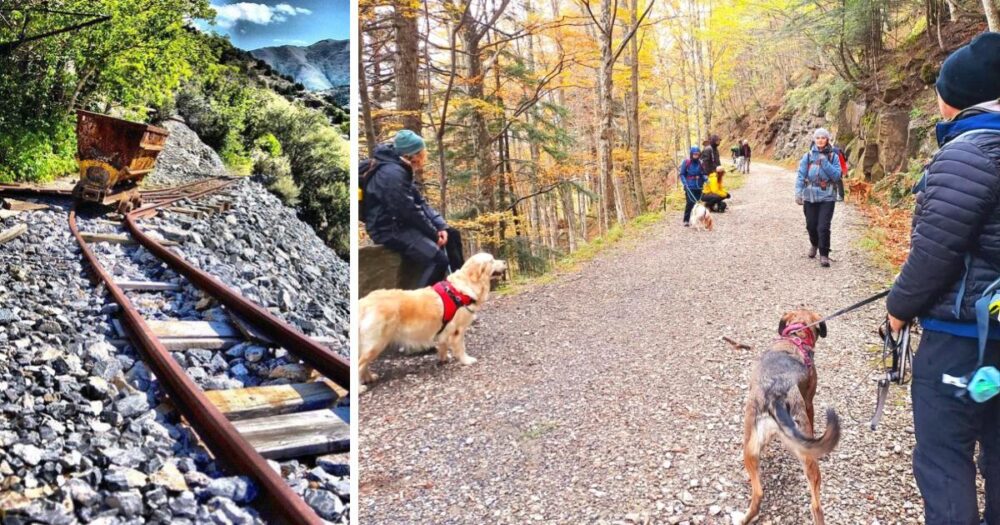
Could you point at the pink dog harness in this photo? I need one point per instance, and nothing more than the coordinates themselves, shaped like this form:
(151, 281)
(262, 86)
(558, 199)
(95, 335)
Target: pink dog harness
(803, 344)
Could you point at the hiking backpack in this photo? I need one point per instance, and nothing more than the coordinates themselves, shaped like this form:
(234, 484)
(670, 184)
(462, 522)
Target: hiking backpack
(843, 161)
(366, 169)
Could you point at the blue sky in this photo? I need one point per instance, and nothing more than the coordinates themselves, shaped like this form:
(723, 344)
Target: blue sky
(252, 24)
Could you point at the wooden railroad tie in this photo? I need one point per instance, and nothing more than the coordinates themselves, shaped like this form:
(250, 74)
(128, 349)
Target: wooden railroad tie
(10, 233)
(16, 205)
(118, 238)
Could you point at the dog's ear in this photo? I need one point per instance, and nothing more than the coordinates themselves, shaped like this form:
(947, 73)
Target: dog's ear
(485, 270)
(781, 326)
(822, 329)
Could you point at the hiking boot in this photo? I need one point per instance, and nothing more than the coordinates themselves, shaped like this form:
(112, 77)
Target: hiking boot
(687, 224)
(812, 252)
(824, 261)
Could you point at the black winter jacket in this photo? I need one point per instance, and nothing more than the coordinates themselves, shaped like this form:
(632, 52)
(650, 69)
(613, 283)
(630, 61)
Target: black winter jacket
(957, 213)
(392, 201)
(710, 158)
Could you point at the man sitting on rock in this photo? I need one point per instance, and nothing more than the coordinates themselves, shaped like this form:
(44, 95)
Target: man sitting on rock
(396, 214)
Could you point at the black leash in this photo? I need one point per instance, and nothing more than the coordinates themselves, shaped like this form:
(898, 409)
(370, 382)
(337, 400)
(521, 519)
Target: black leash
(851, 308)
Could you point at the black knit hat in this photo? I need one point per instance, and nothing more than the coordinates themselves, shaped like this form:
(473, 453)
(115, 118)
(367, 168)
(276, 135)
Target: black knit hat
(971, 75)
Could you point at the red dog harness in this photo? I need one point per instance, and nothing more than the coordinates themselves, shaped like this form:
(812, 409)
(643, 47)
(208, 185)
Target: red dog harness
(452, 299)
(804, 344)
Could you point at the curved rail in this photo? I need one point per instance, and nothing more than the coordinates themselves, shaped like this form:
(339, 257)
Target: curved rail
(326, 361)
(210, 423)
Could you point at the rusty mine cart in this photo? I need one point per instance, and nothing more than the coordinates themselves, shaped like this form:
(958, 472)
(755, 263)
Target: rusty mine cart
(114, 156)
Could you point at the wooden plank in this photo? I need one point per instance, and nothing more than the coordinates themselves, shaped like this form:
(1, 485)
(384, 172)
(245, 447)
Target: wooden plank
(178, 344)
(117, 238)
(186, 211)
(10, 233)
(299, 434)
(16, 205)
(193, 329)
(255, 336)
(148, 286)
(6, 214)
(260, 401)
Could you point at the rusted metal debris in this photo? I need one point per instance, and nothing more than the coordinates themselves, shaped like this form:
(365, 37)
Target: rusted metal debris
(114, 156)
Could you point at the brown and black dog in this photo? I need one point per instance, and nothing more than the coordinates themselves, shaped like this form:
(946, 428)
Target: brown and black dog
(782, 388)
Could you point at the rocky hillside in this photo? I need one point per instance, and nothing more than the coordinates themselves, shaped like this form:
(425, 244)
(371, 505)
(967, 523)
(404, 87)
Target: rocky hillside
(883, 127)
(886, 128)
(322, 66)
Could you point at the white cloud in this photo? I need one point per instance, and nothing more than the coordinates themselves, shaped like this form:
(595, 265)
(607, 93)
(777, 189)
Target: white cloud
(228, 15)
(287, 41)
(292, 10)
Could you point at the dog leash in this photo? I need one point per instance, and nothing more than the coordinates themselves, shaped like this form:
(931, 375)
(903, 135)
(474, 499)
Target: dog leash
(851, 308)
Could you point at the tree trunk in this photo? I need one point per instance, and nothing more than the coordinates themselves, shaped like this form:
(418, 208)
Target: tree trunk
(633, 114)
(404, 20)
(605, 86)
(366, 106)
(481, 144)
(992, 15)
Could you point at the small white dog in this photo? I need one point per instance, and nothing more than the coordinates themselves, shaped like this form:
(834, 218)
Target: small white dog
(701, 218)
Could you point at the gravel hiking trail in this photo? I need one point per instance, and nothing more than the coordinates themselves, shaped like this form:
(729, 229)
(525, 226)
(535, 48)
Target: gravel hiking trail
(607, 396)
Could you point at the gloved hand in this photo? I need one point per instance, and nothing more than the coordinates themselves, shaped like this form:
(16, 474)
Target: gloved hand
(799, 200)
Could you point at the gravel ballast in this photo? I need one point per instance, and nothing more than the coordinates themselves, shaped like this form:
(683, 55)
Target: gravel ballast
(607, 396)
(86, 431)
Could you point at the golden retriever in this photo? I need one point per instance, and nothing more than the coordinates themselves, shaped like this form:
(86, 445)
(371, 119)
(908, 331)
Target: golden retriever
(414, 318)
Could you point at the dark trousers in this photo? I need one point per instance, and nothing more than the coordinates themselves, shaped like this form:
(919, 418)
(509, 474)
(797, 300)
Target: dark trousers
(819, 215)
(947, 429)
(692, 196)
(714, 202)
(421, 250)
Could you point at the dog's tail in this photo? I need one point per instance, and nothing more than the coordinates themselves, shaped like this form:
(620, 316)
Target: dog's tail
(814, 447)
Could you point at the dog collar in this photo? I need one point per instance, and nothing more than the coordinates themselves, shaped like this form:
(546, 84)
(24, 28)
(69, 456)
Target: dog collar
(804, 345)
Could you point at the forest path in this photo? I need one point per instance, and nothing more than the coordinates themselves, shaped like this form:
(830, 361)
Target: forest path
(607, 396)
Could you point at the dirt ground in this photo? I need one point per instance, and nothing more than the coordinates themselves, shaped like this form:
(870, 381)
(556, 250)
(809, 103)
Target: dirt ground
(607, 396)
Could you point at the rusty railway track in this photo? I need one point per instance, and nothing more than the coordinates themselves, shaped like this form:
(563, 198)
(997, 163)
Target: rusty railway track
(277, 500)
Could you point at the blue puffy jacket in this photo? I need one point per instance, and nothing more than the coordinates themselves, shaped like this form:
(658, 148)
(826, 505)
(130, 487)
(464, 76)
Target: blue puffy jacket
(816, 169)
(692, 174)
(957, 214)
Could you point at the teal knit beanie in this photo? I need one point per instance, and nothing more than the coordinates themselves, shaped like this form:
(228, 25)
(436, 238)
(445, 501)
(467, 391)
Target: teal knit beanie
(407, 142)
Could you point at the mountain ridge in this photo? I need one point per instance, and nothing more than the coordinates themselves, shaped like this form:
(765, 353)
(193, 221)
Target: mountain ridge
(320, 66)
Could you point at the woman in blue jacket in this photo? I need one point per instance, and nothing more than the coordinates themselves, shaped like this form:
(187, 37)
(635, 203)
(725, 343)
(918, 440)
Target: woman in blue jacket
(816, 192)
(692, 177)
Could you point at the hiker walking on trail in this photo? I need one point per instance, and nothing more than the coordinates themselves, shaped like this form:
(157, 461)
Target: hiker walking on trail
(711, 157)
(953, 267)
(692, 177)
(397, 216)
(814, 190)
(745, 155)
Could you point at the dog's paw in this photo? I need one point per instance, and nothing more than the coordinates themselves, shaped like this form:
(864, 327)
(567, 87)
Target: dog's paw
(467, 360)
(362, 389)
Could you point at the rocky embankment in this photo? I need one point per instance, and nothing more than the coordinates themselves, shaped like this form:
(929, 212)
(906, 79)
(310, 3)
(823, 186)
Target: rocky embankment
(86, 432)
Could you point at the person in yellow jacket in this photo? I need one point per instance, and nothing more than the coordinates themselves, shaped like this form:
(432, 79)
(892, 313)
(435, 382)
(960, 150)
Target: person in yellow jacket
(714, 194)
